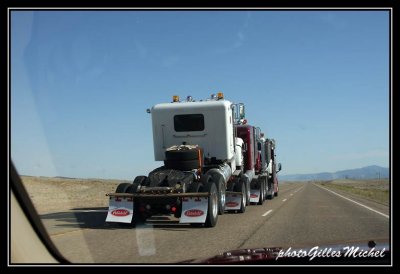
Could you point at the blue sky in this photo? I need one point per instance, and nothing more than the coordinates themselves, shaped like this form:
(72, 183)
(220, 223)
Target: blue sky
(315, 81)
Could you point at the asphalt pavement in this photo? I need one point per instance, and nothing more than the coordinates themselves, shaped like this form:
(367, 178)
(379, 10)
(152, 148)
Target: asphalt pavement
(302, 215)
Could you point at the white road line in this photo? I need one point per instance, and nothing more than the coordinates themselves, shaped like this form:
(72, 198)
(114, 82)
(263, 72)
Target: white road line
(367, 207)
(291, 194)
(284, 200)
(266, 213)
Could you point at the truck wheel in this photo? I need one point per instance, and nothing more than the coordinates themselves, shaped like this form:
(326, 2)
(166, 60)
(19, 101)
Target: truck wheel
(123, 187)
(195, 187)
(220, 188)
(262, 197)
(139, 181)
(221, 197)
(127, 188)
(212, 212)
(182, 155)
(247, 192)
(270, 191)
(265, 188)
(138, 218)
(241, 187)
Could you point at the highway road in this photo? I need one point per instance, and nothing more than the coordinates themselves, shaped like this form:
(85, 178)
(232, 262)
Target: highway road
(303, 215)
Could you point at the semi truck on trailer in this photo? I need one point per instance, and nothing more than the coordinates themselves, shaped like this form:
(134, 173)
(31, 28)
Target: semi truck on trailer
(259, 164)
(204, 165)
(272, 168)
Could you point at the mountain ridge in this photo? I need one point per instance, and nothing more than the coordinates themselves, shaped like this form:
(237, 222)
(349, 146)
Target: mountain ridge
(367, 172)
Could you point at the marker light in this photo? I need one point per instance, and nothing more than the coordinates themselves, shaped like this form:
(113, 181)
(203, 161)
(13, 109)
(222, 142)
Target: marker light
(175, 98)
(220, 95)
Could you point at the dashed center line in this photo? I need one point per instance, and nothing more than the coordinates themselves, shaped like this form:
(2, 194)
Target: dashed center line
(284, 200)
(291, 194)
(266, 213)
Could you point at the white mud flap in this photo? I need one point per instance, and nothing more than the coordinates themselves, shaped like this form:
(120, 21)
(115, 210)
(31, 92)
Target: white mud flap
(233, 201)
(120, 210)
(254, 195)
(194, 210)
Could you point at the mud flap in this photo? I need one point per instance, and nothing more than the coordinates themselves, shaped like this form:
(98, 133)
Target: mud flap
(254, 195)
(232, 201)
(120, 210)
(194, 210)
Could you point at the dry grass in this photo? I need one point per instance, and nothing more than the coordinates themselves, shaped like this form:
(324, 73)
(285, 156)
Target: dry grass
(376, 190)
(60, 194)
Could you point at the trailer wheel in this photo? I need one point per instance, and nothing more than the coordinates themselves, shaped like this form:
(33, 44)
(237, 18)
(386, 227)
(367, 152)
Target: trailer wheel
(196, 187)
(262, 197)
(137, 217)
(265, 187)
(139, 181)
(182, 155)
(220, 184)
(221, 197)
(271, 193)
(212, 212)
(123, 187)
(240, 186)
(247, 185)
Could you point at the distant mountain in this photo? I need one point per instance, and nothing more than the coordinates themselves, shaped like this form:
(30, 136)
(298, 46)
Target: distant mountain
(368, 172)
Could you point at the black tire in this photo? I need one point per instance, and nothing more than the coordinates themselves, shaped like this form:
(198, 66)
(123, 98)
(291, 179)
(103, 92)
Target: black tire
(247, 184)
(182, 155)
(265, 188)
(212, 212)
(219, 182)
(137, 217)
(221, 197)
(123, 187)
(271, 194)
(240, 186)
(276, 194)
(182, 165)
(139, 181)
(196, 187)
(261, 187)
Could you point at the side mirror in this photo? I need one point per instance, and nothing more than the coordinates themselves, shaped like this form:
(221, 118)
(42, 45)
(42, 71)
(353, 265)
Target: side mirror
(241, 111)
(279, 167)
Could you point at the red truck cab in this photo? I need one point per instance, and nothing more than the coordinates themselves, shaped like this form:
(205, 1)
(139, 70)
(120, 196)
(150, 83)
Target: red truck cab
(251, 155)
